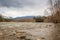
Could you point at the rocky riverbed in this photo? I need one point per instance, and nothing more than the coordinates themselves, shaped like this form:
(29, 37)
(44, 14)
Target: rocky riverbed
(29, 31)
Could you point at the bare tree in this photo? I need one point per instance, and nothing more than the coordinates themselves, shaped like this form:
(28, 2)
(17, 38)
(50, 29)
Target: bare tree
(55, 10)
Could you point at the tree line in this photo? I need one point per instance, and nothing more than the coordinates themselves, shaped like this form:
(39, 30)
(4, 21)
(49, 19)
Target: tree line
(4, 19)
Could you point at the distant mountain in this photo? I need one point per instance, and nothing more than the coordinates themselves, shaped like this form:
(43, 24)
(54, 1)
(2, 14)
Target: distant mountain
(24, 20)
(24, 17)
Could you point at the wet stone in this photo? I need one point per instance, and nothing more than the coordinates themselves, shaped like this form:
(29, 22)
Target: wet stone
(42, 38)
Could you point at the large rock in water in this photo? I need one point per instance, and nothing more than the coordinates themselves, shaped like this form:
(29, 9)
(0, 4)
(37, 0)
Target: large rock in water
(29, 31)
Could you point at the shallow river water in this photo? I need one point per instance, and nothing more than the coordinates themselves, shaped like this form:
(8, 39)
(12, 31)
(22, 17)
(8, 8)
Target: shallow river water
(29, 31)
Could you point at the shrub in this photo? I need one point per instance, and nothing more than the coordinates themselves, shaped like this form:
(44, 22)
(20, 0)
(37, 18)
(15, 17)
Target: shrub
(39, 19)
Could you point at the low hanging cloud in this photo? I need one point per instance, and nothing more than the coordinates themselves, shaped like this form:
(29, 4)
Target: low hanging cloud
(15, 8)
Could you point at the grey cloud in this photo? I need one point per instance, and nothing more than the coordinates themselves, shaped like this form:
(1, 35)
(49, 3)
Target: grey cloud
(20, 3)
(9, 3)
(15, 3)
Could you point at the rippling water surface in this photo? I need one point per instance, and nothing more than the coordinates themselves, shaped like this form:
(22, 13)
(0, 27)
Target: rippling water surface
(34, 31)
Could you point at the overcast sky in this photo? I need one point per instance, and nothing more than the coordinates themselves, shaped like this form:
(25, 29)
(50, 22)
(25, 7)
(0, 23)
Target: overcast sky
(16, 8)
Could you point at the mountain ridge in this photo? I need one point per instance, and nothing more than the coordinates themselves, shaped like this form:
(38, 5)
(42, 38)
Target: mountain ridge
(24, 17)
